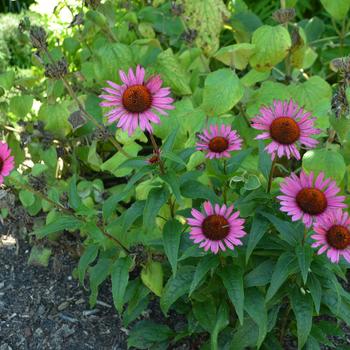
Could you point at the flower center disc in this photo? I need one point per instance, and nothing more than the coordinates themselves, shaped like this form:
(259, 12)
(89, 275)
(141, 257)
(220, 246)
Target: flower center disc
(218, 144)
(338, 237)
(1, 164)
(215, 227)
(137, 99)
(311, 201)
(285, 130)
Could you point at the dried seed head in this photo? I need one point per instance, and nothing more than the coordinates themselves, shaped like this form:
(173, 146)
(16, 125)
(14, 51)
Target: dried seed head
(190, 35)
(77, 120)
(92, 3)
(340, 64)
(57, 70)
(77, 20)
(38, 37)
(176, 9)
(340, 104)
(101, 134)
(38, 183)
(24, 24)
(284, 15)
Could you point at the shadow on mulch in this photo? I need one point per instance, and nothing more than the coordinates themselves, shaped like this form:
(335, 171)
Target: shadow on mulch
(45, 308)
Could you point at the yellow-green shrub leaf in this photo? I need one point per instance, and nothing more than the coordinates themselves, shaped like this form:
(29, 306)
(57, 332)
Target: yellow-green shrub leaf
(328, 161)
(271, 47)
(236, 55)
(152, 277)
(222, 90)
(338, 9)
(207, 18)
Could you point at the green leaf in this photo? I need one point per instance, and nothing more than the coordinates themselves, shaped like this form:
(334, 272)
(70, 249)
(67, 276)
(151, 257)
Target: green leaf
(131, 215)
(316, 291)
(207, 263)
(98, 273)
(195, 189)
(211, 319)
(234, 162)
(20, 106)
(260, 275)
(253, 77)
(85, 260)
(27, 198)
(302, 308)
(62, 223)
(290, 232)
(120, 278)
(145, 334)
(7, 79)
(236, 55)
(74, 198)
(267, 56)
(245, 336)
(113, 164)
(259, 227)
(176, 287)
(265, 162)
(255, 306)
(173, 181)
(152, 277)
(304, 255)
(216, 100)
(55, 118)
(39, 256)
(171, 241)
(157, 197)
(338, 9)
(286, 264)
(315, 95)
(331, 163)
(207, 18)
(232, 277)
(169, 68)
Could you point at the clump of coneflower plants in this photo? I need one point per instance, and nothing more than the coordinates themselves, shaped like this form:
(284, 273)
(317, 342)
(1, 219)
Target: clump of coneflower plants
(210, 174)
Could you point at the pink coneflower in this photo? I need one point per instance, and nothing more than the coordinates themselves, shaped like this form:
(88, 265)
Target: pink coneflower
(302, 198)
(136, 101)
(287, 125)
(6, 161)
(219, 141)
(333, 234)
(216, 227)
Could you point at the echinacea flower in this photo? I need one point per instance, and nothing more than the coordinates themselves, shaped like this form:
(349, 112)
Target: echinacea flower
(6, 161)
(287, 125)
(332, 233)
(216, 228)
(306, 199)
(219, 141)
(136, 102)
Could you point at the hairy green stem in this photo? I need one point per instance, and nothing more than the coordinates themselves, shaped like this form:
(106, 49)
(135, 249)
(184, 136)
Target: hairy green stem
(66, 211)
(271, 175)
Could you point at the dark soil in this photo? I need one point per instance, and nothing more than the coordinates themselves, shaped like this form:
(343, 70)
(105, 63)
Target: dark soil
(45, 308)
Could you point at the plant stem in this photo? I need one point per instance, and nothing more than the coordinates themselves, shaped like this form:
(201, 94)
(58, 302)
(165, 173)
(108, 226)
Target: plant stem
(244, 115)
(271, 175)
(284, 323)
(224, 190)
(85, 112)
(156, 150)
(67, 211)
